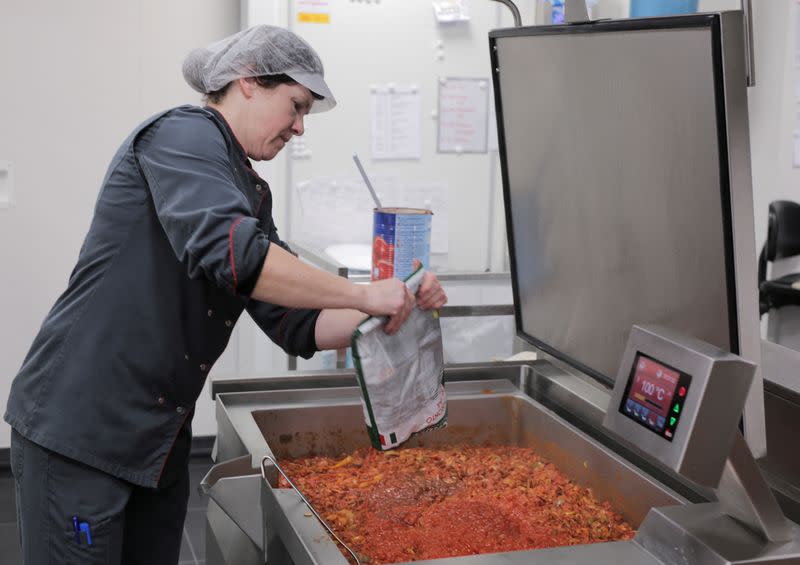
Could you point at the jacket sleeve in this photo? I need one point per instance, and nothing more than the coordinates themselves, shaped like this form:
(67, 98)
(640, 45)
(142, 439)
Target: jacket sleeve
(208, 221)
(291, 329)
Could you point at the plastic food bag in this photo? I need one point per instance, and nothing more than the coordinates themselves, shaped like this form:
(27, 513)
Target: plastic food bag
(401, 375)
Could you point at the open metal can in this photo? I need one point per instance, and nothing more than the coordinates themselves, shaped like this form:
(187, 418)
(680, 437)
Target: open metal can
(401, 241)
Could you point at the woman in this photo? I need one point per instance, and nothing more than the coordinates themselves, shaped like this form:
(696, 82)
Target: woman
(182, 241)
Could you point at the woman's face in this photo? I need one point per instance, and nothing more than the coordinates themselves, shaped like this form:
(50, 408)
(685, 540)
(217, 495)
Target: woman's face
(273, 117)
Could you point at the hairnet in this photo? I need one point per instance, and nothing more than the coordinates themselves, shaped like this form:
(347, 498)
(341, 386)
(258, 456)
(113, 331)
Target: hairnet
(258, 51)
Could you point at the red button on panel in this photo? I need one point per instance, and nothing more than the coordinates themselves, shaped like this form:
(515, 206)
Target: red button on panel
(682, 391)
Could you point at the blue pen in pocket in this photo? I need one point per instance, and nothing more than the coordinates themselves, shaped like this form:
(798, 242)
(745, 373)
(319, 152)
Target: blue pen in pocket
(86, 530)
(76, 529)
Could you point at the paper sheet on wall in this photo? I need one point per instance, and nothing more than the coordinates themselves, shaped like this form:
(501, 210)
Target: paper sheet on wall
(463, 115)
(493, 141)
(314, 11)
(396, 123)
(448, 11)
(335, 210)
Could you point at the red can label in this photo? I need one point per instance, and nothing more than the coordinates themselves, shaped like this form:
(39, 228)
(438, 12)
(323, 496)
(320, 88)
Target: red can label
(401, 241)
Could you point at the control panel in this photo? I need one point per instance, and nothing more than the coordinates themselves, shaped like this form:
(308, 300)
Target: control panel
(679, 399)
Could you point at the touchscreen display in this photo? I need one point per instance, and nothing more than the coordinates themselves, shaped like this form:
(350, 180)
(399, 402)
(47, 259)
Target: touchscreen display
(654, 395)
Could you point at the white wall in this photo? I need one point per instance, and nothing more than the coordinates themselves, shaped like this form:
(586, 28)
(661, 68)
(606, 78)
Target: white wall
(76, 78)
(772, 110)
(379, 51)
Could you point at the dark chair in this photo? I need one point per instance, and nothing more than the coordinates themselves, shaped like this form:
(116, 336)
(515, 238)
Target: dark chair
(783, 240)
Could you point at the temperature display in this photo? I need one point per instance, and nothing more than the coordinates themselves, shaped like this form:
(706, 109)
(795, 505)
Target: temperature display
(654, 395)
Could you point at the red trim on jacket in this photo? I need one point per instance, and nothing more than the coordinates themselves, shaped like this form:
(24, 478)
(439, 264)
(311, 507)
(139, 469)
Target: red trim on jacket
(230, 247)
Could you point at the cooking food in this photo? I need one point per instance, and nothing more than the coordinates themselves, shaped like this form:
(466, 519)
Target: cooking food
(421, 503)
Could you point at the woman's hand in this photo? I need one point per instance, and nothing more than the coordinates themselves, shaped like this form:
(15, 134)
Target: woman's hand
(430, 295)
(389, 297)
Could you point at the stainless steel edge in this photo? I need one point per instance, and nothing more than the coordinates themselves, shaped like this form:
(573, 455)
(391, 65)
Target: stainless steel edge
(611, 553)
(745, 495)
(575, 11)
(292, 531)
(450, 276)
(780, 364)
(228, 445)
(741, 187)
(326, 263)
(583, 398)
(235, 497)
(483, 310)
(319, 259)
(747, 11)
(347, 377)
(236, 467)
(226, 543)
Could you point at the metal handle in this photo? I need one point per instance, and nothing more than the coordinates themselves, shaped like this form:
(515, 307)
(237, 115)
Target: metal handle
(482, 310)
(749, 46)
(514, 11)
(303, 498)
(575, 11)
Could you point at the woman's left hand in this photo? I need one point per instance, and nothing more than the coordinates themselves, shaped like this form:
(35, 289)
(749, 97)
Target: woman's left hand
(430, 295)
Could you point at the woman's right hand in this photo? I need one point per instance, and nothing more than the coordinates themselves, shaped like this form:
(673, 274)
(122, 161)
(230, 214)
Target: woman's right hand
(388, 297)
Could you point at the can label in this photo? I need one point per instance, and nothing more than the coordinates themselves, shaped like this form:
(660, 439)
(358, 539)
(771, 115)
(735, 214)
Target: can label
(401, 241)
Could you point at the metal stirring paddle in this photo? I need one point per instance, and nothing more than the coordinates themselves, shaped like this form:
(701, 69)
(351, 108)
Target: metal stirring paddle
(366, 180)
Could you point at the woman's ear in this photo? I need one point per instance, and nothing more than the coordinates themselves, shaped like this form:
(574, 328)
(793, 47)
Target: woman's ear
(247, 86)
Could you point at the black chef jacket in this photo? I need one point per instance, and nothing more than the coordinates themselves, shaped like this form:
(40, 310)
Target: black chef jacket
(180, 232)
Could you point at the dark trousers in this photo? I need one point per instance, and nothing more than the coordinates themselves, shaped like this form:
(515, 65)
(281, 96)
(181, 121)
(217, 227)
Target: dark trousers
(128, 524)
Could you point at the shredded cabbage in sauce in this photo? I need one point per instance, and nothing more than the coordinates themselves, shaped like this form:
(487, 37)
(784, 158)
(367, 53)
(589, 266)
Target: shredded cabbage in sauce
(422, 503)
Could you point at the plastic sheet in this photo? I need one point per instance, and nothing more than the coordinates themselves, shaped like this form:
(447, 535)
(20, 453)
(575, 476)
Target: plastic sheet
(401, 375)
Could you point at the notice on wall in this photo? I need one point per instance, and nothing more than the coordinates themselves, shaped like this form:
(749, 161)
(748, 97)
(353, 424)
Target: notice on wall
(396, 122)
(334, 210)
(463, 115)
(493, 140)
(347, 201)
(448, 11)
(314, 11)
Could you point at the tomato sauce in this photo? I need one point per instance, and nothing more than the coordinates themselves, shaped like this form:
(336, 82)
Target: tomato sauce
(421, 503)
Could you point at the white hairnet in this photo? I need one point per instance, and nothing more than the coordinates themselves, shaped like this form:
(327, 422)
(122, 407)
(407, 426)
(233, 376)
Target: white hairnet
(258, 51)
